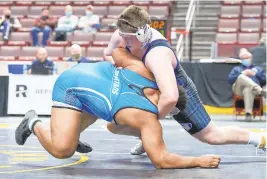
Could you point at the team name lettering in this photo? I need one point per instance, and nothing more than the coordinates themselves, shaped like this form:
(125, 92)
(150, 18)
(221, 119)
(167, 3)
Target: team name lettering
(116, 83)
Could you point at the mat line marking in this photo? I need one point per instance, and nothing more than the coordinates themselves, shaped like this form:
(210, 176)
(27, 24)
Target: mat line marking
(83, 158)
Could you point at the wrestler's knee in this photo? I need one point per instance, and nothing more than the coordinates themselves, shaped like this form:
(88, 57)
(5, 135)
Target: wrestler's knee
(62, 151)
(112, 128)
(212, 135)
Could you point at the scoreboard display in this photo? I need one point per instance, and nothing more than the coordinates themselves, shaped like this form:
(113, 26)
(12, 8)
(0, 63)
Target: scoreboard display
(160, 25)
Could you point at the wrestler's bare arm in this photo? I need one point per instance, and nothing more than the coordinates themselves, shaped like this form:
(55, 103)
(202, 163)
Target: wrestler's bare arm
(151, 135)
(114, 42)
(159, 62)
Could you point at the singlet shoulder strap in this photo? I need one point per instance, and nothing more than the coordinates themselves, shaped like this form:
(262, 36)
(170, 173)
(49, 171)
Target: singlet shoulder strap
(157, 43)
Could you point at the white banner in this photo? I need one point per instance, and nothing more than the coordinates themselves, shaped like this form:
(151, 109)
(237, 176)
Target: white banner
(28, 92)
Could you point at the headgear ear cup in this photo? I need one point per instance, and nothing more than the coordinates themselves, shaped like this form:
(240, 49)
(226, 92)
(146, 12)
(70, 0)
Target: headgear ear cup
(140, 34)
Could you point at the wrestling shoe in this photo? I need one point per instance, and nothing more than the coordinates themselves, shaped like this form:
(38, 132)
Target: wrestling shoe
(263, 143)
(23, 131)
(83, 148)
(138, 149)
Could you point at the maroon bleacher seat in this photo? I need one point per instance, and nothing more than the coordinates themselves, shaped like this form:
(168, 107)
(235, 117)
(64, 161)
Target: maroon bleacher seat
(158, 11)
(232, 2)
(229, 50)
(6, 3)
(8, 58)
(248, 38)
(108, 21)
(264, 25)
(141, 3)
(62, 3)
(81, 38)
(120, 3)
(23, 3)
(252, 11)
(79, 10)
(55, 51)
(250, 24)
(226, 38)
(42, 3)
(228, 25)
(81, 3)
(27, 22)
(28, 51)
(35, 10)
(10, 51)
(20, 36)
(17, 43)
(58, 43)
(101, 10)
(115, 11)
(161, 3)
(95, 52)
(101, 3)
(57, 10)
(230, 11)
(144, 7)
(264, 11)
(30, 58)
(20, 10)
(253, 1)
(103, 36)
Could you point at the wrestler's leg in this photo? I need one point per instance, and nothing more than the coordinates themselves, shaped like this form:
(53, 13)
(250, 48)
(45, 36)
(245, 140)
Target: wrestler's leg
(86, 120)
(123, 130)
(61, 141)
(199, 125)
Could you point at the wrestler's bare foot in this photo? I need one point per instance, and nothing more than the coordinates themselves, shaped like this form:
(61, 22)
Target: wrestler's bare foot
(208, 161)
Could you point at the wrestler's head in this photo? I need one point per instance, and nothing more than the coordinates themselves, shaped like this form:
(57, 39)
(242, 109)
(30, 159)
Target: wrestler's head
(133, 24)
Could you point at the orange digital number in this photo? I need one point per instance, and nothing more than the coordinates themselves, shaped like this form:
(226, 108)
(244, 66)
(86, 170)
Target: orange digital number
(156, 24)
(161, 24)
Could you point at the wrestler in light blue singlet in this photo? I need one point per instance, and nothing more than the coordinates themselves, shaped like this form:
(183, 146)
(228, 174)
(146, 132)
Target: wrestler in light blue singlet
(102, 90)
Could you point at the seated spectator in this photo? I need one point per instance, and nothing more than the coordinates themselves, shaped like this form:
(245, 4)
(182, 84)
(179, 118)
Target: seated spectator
(8, 23)
(247, 81)
(43, 24)
(259, 54)
(66, 24)
(89, 22)
(41, 66)
(76, 55)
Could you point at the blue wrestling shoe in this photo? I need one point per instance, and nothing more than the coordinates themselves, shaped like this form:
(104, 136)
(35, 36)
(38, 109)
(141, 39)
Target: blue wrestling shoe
(23, 131)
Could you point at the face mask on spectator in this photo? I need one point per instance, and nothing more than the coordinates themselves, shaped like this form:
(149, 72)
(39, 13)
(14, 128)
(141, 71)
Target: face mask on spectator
(76, 56)
(44, 17)
(246, 62)
(68, 14)
(89, 13)
(7, 16)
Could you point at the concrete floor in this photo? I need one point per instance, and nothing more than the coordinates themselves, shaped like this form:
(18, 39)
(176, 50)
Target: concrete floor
(111, 159)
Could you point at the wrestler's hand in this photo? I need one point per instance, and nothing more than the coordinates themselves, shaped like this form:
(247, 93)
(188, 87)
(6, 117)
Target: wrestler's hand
(208, 161)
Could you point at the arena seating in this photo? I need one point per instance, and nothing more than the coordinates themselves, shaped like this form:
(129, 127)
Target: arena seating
(240, 24)
(19, 45)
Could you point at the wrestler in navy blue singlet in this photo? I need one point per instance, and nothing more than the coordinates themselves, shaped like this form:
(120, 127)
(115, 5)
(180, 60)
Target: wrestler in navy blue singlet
(194, 117)
(102, 90)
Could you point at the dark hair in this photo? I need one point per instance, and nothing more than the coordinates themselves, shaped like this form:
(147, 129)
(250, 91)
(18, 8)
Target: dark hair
(45, 8)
